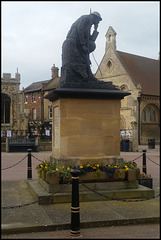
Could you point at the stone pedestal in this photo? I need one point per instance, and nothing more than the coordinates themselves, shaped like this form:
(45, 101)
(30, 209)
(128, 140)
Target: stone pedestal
(86, 125)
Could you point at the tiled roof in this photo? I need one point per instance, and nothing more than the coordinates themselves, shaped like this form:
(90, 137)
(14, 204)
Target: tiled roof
(144, 71)
(35, 86)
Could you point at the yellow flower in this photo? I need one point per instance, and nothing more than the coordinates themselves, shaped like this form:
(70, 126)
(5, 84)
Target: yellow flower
(97, 165)
(46, 167)
(127, 168)
(62, 167)
(81, 166)
(94, 167)
(68, 168)
(41, 166)
(57, 169)
(88, 165)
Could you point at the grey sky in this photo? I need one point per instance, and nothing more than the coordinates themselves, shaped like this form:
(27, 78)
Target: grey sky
(33, 33)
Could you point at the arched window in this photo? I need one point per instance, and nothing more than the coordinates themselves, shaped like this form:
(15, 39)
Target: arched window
(148, 114)
(5, 108)
(110, 38)
(153, 116)
(109, 64)
(124, 101)
(143, 117)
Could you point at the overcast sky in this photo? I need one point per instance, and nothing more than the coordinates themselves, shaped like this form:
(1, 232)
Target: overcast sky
(33, 33)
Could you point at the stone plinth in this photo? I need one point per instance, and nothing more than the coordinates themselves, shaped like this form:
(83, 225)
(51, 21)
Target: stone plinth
(86, 125)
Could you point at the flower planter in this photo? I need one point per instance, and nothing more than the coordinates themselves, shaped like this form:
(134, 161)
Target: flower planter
(66, 180)
(119, 175)
(91, 177)
(131, 175)
(52, 178)
(88, 177)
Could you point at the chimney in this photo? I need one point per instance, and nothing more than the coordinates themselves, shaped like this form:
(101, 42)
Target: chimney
(54, 71)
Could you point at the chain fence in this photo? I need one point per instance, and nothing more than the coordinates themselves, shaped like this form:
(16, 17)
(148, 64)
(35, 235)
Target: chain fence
(14, 164)
(152, 161)
(42, 198)
(118, 199)
(36, 158)
(65, 185)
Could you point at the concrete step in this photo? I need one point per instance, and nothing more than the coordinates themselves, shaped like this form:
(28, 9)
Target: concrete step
(86, 195)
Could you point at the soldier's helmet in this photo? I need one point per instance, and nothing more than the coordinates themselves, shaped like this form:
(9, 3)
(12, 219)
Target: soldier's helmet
(97, 14)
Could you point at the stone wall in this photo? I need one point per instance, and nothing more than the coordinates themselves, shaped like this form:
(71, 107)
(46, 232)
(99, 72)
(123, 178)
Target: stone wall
(10, 87)
(86, 129)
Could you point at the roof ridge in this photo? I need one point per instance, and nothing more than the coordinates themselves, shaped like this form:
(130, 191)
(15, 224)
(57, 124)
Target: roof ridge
(136, 55)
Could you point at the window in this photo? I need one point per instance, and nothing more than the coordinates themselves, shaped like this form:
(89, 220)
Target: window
(25, 99)
(124, 101)
(149, 114)
(109, 65)
(148, 117)
(33, 98)
(34, 113)
(143, 116)
(50, 112)
(110, 38)
(153, 116)
(5, 108)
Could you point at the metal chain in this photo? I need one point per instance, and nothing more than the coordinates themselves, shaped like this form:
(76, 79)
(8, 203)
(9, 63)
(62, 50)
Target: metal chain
(101, 194)
(122, 200)
(135, 159)
(153, 161)
(14, 164)
(37, 158)
(27, 204)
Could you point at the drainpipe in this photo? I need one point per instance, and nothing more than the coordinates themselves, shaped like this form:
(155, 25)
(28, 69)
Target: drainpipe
(139, 100)
(42, 106)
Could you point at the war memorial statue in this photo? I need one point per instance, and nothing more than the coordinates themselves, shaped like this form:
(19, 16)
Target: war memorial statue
(79, 43)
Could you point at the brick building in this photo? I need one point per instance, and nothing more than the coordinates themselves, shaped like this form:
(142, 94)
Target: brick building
(38, 109)
(140, 111)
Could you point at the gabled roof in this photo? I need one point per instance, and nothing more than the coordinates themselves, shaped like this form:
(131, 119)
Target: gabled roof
(143, 71)
(52, 84)
(36, 86)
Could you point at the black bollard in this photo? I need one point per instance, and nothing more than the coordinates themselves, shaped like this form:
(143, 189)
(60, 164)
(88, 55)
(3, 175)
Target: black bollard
(29, 168)
(144, 161)
(75, 217)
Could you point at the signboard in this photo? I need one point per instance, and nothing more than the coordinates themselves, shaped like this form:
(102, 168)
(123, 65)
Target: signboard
(9, 133)
(47, 132)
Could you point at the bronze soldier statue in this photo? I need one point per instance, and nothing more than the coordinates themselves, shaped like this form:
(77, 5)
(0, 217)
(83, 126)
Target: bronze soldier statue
(79, 43)
(76, 48)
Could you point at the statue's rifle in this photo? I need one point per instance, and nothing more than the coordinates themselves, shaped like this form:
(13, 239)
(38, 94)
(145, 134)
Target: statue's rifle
(90, 38)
